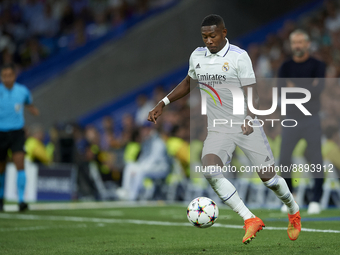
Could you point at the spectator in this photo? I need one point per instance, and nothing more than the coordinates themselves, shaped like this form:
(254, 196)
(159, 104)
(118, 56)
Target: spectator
(144, 106)
(6, 57)
(78, 36)
(44, 24)
(67, 19)
(128, 127)
(117, 11)
(31, 10)
(331, 148)
(79, 6)
(60, 24)
(152, 163)
(32, 53)
(6, 42)
(58, 7)
(132, 149)
(178, 148)
(332, 22)
(36, 151)
(99, 27)
(108, 139)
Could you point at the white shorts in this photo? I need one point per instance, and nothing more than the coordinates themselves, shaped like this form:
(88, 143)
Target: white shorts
(255, 146)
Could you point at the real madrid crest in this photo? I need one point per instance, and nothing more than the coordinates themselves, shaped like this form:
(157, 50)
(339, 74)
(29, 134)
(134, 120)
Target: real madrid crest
(225, 67)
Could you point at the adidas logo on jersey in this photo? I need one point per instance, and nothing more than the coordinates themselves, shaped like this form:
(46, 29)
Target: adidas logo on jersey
(198, 66)
(267, 159)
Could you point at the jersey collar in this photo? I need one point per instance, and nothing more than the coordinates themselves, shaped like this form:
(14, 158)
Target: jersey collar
(222, 52)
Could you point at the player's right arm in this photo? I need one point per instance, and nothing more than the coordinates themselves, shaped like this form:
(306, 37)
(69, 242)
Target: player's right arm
(181, 90)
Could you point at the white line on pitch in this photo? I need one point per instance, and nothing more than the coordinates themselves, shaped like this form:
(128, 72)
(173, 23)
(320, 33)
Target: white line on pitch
(138, 222)
(40, 228)
(86, 205)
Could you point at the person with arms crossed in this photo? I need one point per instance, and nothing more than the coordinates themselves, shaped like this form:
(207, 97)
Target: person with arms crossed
(227, 62)
(306, 72)
(13, 98)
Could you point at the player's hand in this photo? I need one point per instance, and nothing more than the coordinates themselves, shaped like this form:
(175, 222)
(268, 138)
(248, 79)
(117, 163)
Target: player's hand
(156, 112)
(246, 129)
(33, 110)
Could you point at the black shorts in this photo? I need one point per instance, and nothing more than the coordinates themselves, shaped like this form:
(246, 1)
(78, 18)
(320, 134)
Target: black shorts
(13, 140)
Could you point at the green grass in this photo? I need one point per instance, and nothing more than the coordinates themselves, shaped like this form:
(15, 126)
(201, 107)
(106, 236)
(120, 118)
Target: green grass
(45, 234)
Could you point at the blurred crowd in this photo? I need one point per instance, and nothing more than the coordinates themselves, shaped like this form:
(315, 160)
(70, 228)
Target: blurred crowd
(33, 30)
(111, 146)
(323, 27)
(117, 145)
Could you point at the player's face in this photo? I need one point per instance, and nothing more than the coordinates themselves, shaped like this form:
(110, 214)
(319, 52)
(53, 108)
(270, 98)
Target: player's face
(8, 77)
(299, 45)
(214, 37)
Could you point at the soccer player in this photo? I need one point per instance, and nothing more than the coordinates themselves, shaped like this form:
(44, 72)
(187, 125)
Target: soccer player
(304, 71)
(13, 98)
(218, 63)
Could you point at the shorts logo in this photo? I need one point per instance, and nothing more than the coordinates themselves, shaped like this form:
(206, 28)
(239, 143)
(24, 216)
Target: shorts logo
(267, 159)
(209, 93)
(198, 66)
(225, 67)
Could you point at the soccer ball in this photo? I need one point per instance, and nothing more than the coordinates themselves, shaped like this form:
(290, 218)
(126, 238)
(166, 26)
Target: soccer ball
(202, 212)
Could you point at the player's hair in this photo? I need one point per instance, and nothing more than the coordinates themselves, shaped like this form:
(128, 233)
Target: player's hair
(7, 66)
(299, 32)
(213, 19)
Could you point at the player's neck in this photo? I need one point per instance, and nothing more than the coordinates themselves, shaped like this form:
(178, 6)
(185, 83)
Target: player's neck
(301, 59)
(223, 45)
(9, 86)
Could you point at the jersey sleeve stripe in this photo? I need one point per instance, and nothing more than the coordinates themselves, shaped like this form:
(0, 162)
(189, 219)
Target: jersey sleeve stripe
(236, 49)
(239, 52)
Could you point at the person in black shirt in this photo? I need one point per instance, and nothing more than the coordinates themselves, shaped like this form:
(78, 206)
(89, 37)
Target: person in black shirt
(303, 71)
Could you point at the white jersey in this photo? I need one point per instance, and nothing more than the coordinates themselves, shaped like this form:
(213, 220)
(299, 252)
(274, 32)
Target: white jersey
(231, 66)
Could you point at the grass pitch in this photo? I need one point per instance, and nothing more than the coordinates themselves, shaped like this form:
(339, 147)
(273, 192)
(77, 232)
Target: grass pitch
(159, 229)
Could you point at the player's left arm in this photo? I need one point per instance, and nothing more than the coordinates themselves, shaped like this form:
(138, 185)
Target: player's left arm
(29, 104)
(33, 109)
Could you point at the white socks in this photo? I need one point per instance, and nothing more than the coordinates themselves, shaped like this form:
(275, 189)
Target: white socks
(281, 190)
(227, 192)
(238, 206)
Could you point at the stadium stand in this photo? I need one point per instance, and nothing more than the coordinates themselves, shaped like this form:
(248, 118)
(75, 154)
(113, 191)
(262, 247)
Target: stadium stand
(104, 139)
(34, 31)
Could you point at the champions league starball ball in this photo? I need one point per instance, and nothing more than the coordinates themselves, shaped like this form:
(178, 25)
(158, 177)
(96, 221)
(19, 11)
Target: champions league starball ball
(202, 212)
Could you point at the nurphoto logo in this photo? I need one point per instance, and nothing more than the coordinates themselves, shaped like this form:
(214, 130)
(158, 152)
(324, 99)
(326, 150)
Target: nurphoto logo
(238, 102)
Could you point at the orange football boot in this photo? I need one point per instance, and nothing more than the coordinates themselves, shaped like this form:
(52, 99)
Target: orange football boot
(294, 226)
(252, 226)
